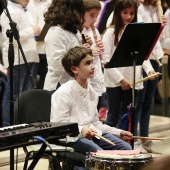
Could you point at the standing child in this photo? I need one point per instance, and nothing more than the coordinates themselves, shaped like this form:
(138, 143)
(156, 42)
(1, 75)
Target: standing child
(118, 80)
(76, 101)
(92, 9)
(65, 19)
(35, 11)
(21, 81)
(149, 13)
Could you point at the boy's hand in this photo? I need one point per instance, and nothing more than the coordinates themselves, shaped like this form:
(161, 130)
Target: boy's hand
(125, 135)
(87, 132)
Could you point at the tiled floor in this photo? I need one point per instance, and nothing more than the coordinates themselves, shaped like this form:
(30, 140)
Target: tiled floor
(159, 127)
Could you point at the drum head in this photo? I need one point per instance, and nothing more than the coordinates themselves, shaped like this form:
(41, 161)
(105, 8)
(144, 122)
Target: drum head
(118, 157)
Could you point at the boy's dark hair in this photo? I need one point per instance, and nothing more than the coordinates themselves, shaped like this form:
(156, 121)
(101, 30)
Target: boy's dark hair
(69, 14)
(91, 4)
(73, 58)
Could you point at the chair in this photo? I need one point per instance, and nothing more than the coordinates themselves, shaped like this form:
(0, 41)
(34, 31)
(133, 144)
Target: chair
(34, 106)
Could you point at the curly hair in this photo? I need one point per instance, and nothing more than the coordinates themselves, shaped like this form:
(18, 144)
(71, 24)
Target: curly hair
(68, 14)
(73, 58)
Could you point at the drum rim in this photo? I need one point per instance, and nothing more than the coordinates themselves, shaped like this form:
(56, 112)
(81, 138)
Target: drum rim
(149, 156)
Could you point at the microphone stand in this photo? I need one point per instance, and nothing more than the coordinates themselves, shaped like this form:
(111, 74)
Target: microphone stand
(11, 66)
(14, 33)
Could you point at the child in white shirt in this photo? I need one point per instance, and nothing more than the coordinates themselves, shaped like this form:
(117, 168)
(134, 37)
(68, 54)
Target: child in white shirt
(76, 101)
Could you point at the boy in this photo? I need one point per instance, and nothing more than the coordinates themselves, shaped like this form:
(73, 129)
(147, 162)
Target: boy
(92, 9)
(76, 101)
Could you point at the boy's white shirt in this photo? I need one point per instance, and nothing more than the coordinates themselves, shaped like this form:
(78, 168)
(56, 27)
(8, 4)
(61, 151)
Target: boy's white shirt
(73, 103)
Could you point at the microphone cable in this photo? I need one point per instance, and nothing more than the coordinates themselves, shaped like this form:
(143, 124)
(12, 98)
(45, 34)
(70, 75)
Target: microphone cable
(44, 141)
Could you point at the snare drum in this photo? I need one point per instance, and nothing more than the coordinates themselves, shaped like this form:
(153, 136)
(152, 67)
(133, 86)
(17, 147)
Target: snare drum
(116, 162)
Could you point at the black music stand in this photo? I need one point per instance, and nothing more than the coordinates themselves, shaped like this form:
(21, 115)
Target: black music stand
(135, 46)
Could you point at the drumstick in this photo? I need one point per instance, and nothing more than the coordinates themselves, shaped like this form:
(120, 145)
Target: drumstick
(148, 138)
(106, 140)
(147, 78)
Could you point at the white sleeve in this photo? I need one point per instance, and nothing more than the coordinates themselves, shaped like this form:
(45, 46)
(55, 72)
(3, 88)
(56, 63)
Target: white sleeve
(59, 107)
(165, 37)
(56, 44)
(108, 41)
(105, 128)
(147, 66)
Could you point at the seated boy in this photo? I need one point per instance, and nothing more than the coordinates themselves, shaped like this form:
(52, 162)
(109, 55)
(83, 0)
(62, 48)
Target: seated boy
(76, 101)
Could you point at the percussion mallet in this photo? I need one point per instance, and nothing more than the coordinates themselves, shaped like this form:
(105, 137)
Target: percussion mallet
(103, 138)
(148, 138)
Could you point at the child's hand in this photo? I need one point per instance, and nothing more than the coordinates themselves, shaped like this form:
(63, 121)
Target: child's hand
(37, 30)
(87, 132)
(150, 73)
(100, 45)
(86, 45)
(96, 51)
(88, 40)
(164, 19)
(125, 84)
(125, 135)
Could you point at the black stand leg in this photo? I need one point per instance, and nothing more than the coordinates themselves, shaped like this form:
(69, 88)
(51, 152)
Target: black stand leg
(11, 66)
(37, 157)
(133, 55)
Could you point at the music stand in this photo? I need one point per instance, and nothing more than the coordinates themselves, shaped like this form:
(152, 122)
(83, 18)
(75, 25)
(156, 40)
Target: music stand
(135, 46)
